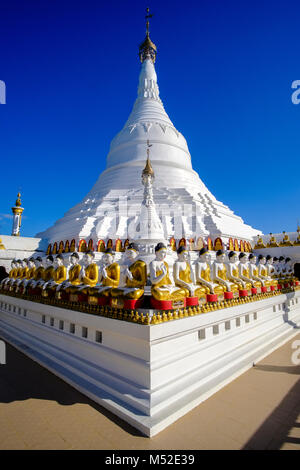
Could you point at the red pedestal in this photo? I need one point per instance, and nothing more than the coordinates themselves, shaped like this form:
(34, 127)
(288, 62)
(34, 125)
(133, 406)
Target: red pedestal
(286, 285)
(253, 290)
(296, 283)
(78, 298)
(243, 292)
(212, 298)
(279, 286)
(272, 288)
(228, 295)
(191, 301)
(167, 304)
(264, 289)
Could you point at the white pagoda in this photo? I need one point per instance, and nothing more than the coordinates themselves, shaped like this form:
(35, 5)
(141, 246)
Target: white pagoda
(185, 206)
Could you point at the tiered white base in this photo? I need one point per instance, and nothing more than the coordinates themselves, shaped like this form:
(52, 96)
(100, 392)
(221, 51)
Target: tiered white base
(149, 375)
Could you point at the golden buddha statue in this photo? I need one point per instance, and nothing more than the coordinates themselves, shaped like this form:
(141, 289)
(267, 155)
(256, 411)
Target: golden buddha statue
(59, 276)
(297, 241)
(271, 270)
(203, 274)
(29, 273)
(220, 273)
(133, 276)
(253, 272)
(263, 272)
(89, 274)
(259, 243)
(272, 242)
(286, 240)
(184, 275)
(162, 286)
(233, 274)
(109, 275)
(22, 273)
(70, 285)
(244, 271)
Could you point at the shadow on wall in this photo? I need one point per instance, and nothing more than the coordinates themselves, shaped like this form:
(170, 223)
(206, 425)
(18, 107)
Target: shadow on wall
(23, 379)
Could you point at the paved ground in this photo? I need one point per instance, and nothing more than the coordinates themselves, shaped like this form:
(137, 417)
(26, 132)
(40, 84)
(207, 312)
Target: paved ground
(259, 410)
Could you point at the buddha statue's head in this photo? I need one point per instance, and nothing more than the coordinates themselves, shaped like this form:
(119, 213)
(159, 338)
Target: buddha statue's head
(38, 262)
(74, 258)
(182, 253)
(160, 251)
(252, 258)
(288, 261)
(261, 259)
(49, 260)
(19, 263)
(220, 256)
(31, 263)
(13, 264)
(88, 257)
(24, 263)
(233, 257)
(204, 255)
(59, 260)
(281, 259)
(275, 261)
(108, 257)
(131, 252)
(243, 258)
(269, 259)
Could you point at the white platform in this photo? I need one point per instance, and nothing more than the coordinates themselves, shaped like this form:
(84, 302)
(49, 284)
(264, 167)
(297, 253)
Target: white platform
(149, 375)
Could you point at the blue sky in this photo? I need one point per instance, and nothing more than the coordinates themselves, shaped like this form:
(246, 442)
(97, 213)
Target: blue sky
(224, 70)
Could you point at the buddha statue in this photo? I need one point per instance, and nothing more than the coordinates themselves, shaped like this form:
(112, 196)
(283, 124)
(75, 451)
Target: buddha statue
(233, 271)
(133, 275)
(162, 287)
(184, 276)
(89, 273)
(271, 270)
(263, 272)
(297, 241)
(244, 271)
(17, 273)
(253, 273)
(73, 281)
(259, 243)
(59, 276)
(203, 274)
(38, 277)
(29, 274)
(272, 242)
(220, 273)
(286, 240)
(21, 275)
(109, 275)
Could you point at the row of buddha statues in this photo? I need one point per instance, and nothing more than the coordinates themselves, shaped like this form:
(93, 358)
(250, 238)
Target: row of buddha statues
(229, 275)
(274, 243)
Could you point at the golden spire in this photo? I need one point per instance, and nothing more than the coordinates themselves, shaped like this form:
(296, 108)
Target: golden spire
(147, 49)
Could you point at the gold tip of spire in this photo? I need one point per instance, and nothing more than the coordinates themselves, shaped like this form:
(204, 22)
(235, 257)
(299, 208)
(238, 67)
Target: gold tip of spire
(147, 49)
(18, 201)
(148, 170)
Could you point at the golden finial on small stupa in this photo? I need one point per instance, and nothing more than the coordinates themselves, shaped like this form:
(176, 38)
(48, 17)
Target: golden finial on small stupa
(148, 170)
(147, 49)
